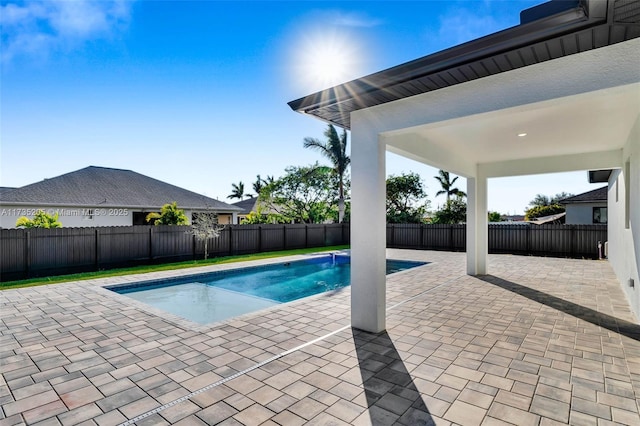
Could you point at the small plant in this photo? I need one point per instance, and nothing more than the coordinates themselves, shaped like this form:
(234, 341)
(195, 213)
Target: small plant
(170, 214)
(41, 219)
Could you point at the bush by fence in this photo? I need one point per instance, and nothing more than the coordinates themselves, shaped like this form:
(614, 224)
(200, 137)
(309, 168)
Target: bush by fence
(39, 252)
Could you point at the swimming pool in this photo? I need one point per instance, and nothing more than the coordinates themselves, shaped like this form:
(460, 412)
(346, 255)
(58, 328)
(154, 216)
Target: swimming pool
(220, 295)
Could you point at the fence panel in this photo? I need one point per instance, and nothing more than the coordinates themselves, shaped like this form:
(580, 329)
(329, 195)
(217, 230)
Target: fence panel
(61, 248)
(47, 251)
(13, 247)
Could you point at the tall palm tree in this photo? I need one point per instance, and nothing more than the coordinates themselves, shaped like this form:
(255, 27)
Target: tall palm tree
(237, 191)
(261, 183)
(447, 185)
(335, 149)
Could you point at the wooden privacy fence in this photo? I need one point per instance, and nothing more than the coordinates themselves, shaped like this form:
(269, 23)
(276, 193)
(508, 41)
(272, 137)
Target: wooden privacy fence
(580, 241)
(39, 252)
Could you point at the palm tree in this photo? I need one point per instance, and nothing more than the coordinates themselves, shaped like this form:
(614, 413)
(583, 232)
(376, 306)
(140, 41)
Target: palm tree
(238, 191)
(335, 149)
(261, 183)
(447, 185)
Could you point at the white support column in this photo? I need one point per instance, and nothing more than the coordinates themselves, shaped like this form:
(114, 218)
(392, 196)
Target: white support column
(368, 229)
(234, 218)
(477, 220)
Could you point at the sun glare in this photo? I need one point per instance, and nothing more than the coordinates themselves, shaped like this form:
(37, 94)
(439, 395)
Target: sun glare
(325, 59)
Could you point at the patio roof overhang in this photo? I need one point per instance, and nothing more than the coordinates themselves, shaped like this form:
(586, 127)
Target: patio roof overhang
(586, 25)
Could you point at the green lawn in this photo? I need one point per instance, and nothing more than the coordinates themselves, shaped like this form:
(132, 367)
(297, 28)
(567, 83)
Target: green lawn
(163, 267)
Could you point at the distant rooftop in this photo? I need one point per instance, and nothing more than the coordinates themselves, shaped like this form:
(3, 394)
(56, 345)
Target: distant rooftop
(103, 186)
(595, 196)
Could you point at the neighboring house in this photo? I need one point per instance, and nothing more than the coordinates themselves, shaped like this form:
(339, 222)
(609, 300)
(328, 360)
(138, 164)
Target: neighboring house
(586, 208)
(247, 207)
(556, 93)
(101, 196)
(252, 205)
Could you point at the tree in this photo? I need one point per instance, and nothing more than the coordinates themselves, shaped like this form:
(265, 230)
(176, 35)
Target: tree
(205, 226)
(495, 217)
(303, 195)
(237, 191)
(41, 219)
(542, 211)
(543, 205)
(406, 199)
(454, 211)
(169, 214)
(335, 149)
(447, 185)
(544, 200)
(260, 216)
(261, 183)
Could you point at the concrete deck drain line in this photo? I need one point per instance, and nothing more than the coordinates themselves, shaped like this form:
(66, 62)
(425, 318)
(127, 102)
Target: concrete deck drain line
(267, 361)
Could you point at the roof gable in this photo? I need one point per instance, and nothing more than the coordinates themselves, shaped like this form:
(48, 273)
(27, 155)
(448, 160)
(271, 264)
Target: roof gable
(101, 186)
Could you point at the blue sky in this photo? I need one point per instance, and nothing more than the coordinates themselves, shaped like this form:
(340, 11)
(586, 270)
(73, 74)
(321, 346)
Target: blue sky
(195, 93)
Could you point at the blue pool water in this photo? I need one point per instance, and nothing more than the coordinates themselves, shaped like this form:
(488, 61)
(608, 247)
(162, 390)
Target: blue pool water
(216, 296)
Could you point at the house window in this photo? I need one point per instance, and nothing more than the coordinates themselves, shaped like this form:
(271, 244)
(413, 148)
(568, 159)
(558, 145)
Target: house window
(599, 215)
(140, 218)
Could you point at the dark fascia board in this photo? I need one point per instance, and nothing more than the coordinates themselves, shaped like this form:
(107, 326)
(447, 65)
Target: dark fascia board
(599, 176)
(586, 13)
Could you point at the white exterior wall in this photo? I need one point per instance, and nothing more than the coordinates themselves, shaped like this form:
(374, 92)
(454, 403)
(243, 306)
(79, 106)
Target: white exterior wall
(76, 217)
(69, 216)
(581, 214)
(624, 238)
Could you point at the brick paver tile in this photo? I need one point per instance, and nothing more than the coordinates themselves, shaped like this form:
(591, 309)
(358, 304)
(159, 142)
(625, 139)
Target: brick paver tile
(179, 411)
(216, 413)
(465, 414)
(80, 397)
(307, 408)
(254, 414)
(547, 407)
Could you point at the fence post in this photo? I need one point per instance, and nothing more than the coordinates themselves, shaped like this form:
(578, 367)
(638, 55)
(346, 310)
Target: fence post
(529, 239)
(393, 236)
(284, 237)
(96, 252)
(259, 239)
(150, 243)
(193, 246)
(27, 253)
(324, 235)
(306, 236)
(572, 236)
(421, 235)
(452, 245)
(230, 240)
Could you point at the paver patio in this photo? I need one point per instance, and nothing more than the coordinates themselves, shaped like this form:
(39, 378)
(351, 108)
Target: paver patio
(541, 341)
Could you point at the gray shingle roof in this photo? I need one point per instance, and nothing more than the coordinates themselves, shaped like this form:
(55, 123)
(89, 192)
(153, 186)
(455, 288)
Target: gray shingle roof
(247, 205)
(597, 195)
(102, 186)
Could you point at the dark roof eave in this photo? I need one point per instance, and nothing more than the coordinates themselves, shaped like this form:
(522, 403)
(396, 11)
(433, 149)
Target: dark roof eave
(507, 40)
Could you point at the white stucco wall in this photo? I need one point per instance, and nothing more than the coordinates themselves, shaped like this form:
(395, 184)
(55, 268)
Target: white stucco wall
(581, 214)
(69, 216)
(624, 235)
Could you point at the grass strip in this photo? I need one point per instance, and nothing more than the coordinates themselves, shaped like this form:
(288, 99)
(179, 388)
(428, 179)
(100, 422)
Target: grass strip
(142, 269)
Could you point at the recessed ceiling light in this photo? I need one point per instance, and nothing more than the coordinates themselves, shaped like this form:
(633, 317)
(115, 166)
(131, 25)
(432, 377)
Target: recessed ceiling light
(522, 135)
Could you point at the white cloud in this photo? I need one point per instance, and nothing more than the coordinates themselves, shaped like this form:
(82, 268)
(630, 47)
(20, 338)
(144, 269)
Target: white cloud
(37, 28)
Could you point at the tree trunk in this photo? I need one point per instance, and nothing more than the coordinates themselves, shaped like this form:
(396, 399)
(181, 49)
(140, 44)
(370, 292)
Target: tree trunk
(341, 203)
